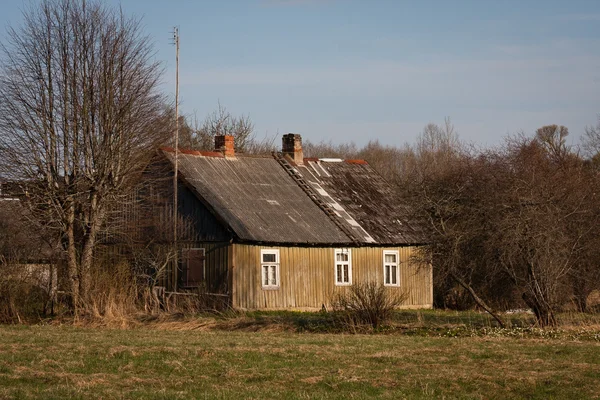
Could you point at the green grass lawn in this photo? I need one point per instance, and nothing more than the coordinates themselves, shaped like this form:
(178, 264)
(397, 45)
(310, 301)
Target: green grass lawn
(58, 362)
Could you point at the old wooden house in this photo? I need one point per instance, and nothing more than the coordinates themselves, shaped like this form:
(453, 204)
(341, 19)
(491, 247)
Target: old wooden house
(286, 232)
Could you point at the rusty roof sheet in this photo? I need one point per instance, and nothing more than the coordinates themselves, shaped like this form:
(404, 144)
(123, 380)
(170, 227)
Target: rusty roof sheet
(258, 199)
(364, 201)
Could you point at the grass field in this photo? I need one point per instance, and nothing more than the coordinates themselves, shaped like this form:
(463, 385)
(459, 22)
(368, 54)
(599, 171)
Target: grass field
(170, 361)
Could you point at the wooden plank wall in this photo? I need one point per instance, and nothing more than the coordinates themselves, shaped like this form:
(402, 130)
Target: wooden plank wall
(307, 277)
(216, 263)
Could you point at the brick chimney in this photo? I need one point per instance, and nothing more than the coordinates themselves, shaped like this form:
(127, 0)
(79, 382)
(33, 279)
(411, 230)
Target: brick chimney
(292, 146)
(224, 144)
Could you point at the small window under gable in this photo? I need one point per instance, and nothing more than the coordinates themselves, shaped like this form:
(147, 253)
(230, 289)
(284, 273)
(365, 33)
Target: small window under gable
(269, 266)
(343, 267)
(391, 268)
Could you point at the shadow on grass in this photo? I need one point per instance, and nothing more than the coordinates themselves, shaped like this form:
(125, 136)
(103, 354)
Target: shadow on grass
(416, 322)
(424, 323)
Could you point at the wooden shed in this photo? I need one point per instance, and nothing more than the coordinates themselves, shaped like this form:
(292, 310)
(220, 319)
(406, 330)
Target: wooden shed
(286, 232)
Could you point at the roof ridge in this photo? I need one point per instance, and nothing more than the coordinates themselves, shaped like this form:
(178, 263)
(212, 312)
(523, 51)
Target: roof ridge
(194, 152)
(347, 161)
(208, 153)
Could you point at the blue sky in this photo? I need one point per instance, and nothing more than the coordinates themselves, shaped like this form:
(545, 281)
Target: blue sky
(344, 70)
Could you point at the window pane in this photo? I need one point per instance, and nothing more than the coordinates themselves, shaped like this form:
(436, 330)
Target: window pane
(387, 274)
(269, 257)
(346, 278)
(390, 258)
(265, 275)
(342, 256)
(394, 275)
(273, 275)
(339, 273)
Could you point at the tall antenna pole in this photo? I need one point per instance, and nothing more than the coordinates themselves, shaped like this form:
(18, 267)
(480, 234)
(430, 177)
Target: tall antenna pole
(175, 211)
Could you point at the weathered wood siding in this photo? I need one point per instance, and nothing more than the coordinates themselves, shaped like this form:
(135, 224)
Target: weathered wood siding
(217, 261)
(199, 223)
(307, 277)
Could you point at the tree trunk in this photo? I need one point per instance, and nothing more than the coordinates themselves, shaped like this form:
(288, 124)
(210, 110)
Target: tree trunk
(580, 294)
(581, 302)
(72, 269)
(87, 254)
(543, 313)
(478, 299)
(537, 297)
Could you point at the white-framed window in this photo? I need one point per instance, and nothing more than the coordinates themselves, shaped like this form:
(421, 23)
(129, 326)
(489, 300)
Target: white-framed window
(269, 267)
(391, 268)
(343, 267)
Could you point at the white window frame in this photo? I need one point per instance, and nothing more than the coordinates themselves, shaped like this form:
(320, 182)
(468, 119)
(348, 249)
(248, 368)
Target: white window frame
(396, 253)
(336, 263)
(271, 266)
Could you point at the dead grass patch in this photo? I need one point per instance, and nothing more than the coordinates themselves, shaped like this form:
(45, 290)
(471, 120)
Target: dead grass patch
(312, 380)
(120, 351)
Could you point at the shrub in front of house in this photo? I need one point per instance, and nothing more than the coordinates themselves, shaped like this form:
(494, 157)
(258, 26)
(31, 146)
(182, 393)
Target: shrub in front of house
(368, 303)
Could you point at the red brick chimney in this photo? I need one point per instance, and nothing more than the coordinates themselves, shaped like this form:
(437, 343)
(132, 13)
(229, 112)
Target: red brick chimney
(224, 144)
(292, 146)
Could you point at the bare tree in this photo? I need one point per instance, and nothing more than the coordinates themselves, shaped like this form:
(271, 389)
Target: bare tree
(591, 141)
(520, 219)
(445, 182)
(393, 163)
(553, 139)
(541, 196)
(201, 135)
(454, 198)
(80, 114)
(329, 149)
(265, 145)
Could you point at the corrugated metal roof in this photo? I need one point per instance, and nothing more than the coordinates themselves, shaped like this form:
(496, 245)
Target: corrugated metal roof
(364, 201)
(262, 202)
(258, 199)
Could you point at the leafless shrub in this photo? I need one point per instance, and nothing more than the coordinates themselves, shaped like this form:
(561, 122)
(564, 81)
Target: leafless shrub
(369, 303)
